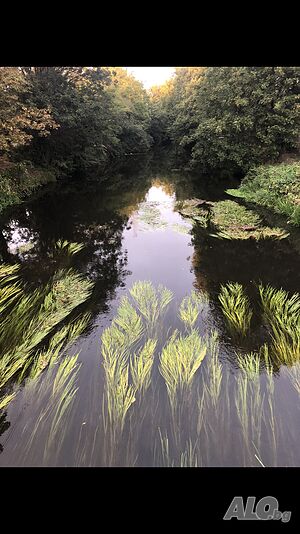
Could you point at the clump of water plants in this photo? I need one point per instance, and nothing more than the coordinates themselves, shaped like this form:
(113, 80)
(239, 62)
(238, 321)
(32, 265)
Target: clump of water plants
(29, 317)
(196, 210)
(234, 221)
(145, 365)
(215, 368)
(150, 302)
(179, 361)
(191, 306)
(282, 315)
(141, 366)
(236, 308)
(150, 216)
(52, 398)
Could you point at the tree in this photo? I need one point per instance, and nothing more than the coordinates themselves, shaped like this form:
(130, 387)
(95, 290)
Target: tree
(19, 120)
(131, 111)
(234, 117)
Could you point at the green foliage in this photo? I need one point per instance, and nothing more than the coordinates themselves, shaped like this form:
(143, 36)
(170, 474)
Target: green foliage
(233, 117)
(215, 376)
(185, 432)
(151, 302)
(250, 364)
(17, 180)
(192, 210)
(282, 314)
(52, 399)
(275, 186)
(236, 308)
(233, 221)
(66, 119)
(191, 306)
(19, 119)
(141, 366)
(179, 361)
(29, 338)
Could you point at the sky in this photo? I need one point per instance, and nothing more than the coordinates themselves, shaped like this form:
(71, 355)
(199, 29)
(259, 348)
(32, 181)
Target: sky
(151, 75)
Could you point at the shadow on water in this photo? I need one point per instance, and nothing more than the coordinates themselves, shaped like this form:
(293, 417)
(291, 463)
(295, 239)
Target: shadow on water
(131, 232)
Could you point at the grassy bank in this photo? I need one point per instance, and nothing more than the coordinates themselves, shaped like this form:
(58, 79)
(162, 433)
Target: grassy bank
(19, 180)
(276, 187)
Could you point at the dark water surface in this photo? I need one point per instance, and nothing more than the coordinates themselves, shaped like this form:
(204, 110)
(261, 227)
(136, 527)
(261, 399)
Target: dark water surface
(131, 232)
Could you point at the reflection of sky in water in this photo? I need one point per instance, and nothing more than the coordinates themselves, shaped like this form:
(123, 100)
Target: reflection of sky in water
(157, 212)
(157, 194)
(159, 252)
(19, 239)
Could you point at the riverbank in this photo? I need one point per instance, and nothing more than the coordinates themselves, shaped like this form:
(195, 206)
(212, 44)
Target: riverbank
(276, 187)
(19, 180)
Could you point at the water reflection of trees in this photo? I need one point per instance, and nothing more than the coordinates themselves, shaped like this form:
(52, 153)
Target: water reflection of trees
(92, 216)
(247, 262)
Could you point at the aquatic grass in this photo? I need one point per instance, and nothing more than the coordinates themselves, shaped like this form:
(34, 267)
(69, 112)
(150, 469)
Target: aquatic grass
(192, 423)
(117, 340)
(141, 366)
(129, 323)
(249, 402)
(33, 317)
(215, 369)
(250, 364)
(67, 247)
(150, 301)
(38, 312)
(188, 458)
(294, 374)
(52, 398)
(269, 411)
(191, 306)
(118, 398)
(67, 293)
(236, 308)
(124, 397)
(165, 452)
(6, 399)
(59, 341)
(8, 295)
(14, 324)
(179, 361)
(234, 221)
(150, 215)
(116, 343)
(8, 272)
(191, 210)
(282, 313)
(64, 391)
(279, 307)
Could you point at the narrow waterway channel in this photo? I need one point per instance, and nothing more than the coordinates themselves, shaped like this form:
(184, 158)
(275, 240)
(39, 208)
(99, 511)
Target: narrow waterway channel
(132, 231)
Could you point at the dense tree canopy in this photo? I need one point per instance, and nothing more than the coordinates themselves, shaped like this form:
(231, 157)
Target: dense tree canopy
(19, 119)
(72, 118)
(81, 118)
(231, 117)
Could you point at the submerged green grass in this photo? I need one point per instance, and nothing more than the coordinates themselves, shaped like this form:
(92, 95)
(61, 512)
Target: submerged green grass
(29, 336)
(169, 397)
(236, 308)
(282, 316)
(233, 221)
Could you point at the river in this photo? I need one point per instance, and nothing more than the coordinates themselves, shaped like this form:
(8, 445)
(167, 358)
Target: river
(131, 231)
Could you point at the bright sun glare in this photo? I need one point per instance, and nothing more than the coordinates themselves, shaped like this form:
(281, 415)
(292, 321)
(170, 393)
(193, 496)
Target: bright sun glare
(150, 76)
